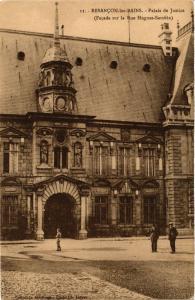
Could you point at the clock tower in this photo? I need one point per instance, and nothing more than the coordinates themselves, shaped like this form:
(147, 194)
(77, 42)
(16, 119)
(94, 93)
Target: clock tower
(56, 92)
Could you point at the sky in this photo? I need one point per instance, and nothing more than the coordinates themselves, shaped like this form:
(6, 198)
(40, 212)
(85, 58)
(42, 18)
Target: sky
(79, 20)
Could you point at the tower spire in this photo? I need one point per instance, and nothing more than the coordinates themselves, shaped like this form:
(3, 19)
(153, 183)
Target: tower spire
(56, 29)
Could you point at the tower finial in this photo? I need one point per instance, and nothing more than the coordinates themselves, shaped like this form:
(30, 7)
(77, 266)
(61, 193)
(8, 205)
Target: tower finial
(56, 29)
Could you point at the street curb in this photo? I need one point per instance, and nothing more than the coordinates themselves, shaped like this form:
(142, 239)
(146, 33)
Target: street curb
(117, 239)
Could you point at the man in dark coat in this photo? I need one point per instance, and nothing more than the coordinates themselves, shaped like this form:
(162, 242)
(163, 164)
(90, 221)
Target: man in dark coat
(154, 235)
(172, 236)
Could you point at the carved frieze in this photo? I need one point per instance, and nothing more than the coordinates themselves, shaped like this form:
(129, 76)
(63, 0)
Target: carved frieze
(78, 133)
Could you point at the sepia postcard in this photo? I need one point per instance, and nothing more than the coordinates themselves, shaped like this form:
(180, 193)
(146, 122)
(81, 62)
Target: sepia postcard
(96, 149)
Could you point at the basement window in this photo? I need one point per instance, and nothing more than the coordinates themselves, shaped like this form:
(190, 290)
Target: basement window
(21, 55)
(146, 68)
(113, 64)
(79, 61)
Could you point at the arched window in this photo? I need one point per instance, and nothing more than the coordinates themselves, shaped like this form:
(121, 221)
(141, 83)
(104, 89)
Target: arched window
(78, 155)
(44, 152)
(48, 78)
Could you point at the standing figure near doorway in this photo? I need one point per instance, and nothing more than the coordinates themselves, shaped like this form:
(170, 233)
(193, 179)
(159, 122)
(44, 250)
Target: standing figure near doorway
(58, 237)
(172, 236)
(154, 236)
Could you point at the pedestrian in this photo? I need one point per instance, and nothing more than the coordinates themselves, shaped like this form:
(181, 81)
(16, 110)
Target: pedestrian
(172, 236)
(154, 236)
(58, 237)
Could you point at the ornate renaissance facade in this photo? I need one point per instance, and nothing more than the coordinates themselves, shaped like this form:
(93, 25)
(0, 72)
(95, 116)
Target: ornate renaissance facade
(96, 137)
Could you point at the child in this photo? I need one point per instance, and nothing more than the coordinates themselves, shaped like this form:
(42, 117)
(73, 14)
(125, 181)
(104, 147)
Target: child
(58, 237)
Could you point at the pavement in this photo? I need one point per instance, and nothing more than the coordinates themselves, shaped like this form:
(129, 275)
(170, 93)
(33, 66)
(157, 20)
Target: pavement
(82, 285)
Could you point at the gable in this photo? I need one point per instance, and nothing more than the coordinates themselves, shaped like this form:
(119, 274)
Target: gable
(149, 139)
(102, 182)
(62, 178)
(125, 186)
(102, 137)
(12, 132)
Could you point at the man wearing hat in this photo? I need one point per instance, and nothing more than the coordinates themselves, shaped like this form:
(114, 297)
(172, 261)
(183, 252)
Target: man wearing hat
(172, 236)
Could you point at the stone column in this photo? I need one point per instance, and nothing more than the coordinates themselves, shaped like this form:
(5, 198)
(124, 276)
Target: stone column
(28, 215)
(138, 210)
(114, 210)
(83, 231)
(34, 163)
(40, 233)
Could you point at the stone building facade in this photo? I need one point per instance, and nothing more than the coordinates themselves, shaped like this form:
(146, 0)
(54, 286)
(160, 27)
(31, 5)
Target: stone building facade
(96, 136)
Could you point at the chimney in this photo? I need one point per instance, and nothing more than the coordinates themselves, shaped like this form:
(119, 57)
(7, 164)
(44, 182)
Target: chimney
(62, 29)
(165, 39)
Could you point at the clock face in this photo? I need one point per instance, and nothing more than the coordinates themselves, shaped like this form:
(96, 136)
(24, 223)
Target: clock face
(61, 103)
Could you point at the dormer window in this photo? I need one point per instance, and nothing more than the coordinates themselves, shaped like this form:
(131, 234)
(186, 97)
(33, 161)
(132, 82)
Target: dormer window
(146, 68)
(21, 55)
(113, 64)
(48, 78)
(79, 61)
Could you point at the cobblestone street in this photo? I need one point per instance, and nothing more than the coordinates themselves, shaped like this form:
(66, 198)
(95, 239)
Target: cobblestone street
(96, 269)
(61, 286)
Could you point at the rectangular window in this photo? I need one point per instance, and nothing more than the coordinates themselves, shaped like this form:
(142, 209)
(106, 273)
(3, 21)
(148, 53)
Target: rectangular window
(64, 158)
(57, 157)
(125, 210)
(104, 160)
(101, 209)
(149, 162)
(9, 211)
(113, 162)
(31, 202)
(60, 158)
(97, 160)
(168, 42)
(149, 210)
(10, 158)
(101, 160)
(124, 161)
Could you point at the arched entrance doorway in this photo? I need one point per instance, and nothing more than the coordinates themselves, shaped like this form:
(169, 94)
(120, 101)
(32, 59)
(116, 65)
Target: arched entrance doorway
(60, 213)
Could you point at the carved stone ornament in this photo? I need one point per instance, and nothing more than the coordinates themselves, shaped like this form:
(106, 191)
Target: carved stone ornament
(64, 103)
(78, 133)
(44, 131)
(61, 135)
(125, 135)
(45, 103)
(40, 190)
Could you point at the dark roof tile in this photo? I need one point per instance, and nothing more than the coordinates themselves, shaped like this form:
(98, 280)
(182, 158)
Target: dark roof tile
(126, 93)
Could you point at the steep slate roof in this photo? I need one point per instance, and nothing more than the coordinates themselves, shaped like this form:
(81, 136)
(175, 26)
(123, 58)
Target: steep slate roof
(184, 70)
(126, 93)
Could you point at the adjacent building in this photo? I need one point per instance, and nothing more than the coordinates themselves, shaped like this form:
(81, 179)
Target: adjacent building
(96, 137)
